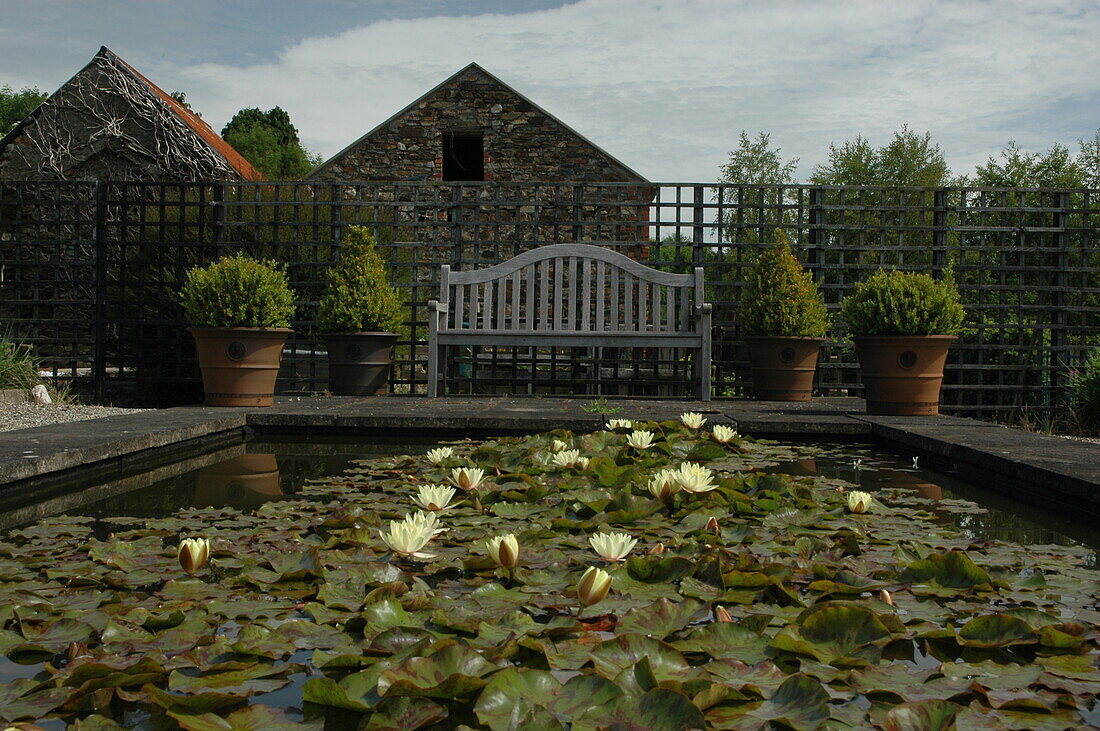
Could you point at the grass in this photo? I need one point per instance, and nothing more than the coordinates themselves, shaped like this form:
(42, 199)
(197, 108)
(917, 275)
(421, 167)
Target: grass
(17, 365)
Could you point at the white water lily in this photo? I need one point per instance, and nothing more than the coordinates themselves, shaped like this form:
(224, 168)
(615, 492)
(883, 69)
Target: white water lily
(614, 424)
(694, 478)
(410, 535)
(593, 586)
(437, 455)
(504, 550)
(566, 458)
(859, 501)
(693, 420)
(723, 433)
(857, 463)
(467, 478)
(640, 439)
(558, 445)
(434, 497)
(664, 485)
(612, 546)
(192, 553)
(581, 463)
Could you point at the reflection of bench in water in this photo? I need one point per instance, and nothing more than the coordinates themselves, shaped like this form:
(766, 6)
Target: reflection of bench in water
(570, 296)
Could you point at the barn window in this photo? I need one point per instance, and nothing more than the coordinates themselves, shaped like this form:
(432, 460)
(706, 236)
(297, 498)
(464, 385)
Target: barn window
(463, 156)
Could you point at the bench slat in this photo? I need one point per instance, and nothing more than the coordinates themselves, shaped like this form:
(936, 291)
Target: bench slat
(557, 295)
(586, 294)
(531, 294)
(456, 317)
(628, 307)
(571, 288)
(544, 297)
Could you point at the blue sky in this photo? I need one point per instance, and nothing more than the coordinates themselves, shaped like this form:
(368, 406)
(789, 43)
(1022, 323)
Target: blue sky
(665, 86)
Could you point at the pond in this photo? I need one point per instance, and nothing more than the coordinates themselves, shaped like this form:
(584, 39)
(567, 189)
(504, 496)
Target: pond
(756, 593)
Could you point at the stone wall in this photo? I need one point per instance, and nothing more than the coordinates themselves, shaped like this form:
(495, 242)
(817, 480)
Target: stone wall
(521, 142)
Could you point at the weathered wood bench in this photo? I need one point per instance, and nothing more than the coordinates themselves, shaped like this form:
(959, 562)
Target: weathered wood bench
(569, 295)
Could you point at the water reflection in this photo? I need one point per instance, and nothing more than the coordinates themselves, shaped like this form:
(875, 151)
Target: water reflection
(239, 482)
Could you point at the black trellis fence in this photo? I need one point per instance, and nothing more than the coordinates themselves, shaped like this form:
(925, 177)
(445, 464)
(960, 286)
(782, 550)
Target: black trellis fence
(89, 273)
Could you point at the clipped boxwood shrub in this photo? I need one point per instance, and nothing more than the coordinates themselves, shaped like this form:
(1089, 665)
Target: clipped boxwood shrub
(780, 297)
(358, 296)
(1085, 391)
(238, 291)
(892, 302)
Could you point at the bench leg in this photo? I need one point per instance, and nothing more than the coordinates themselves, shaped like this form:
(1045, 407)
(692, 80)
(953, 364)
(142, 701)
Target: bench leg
(433, 372)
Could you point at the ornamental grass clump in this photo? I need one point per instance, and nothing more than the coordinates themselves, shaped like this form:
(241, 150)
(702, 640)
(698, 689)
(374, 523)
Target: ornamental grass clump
(780, 298)
(892, 302)
(1085, 391)
(358, 296)
(238, 291)
(17, 366)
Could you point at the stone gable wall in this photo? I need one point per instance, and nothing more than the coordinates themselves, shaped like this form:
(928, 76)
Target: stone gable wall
(520, 142)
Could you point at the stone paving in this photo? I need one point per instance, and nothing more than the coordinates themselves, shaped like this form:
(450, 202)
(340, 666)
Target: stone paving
(1058, 473)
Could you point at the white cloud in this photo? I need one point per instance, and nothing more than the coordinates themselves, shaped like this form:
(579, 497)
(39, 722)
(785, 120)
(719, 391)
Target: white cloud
(667, 86)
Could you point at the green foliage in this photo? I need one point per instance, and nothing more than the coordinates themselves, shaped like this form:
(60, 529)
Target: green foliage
(17, 366)
(893, 302)
(1085, 390)
(780, 297)
(1017, 168)
(270, 142)
(909, 159)
(358, 296)
(238, 291)
(756, 162)
(15, 105)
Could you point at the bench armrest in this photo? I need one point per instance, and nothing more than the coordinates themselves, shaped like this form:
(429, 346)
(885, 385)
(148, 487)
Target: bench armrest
(437, 306)
(704, 309)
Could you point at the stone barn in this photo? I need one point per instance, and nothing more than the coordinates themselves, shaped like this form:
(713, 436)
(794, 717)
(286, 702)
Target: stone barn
(474, 127)
(110, 122)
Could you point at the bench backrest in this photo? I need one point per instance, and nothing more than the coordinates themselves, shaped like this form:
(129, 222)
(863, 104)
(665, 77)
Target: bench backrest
(570, 288)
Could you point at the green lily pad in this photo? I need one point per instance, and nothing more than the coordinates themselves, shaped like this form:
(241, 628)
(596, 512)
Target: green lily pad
(922, 716)
(995, 630)
(624, 651)
(659, 619)
(946, 574)
(832, 632)
(451, 672)
(513, 694)
(252, 718)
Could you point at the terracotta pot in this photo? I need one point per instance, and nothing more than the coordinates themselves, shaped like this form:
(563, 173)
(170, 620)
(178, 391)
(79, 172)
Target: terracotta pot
(783, 368)
(239, 364)
(251, 479)
(359, 363)
(902, 374)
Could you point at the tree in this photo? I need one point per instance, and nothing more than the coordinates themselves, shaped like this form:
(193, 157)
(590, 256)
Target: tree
(181, 97)
(270, 142)
(756, 162)
(1055, 168)
(1089, 160)
(15, 105)
(909, 159)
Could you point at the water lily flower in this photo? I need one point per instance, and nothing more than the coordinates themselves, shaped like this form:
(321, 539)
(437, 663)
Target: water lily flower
(467, 478)
(657, 549)
(593, 586)
(857, 463)
(884, 595)
(859, 502)
(504, 550)
(695, 478)
(723, 433)
(581, 463)
(664, 485)
(915, 460)
(566, 458)
(192, 553)
(434, 497)
(614, 424)
(410, 535)
(612, 546)
(437, 455)
(558, 445)
(721, 615)
(693, 420)
(712, 526)
(640, 439)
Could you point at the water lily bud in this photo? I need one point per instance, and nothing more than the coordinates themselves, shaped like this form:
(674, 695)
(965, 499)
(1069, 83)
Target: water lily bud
(593, 586)
(712, 526)
(504, 550)
(664, 485)
(885, 596)
(859, 502)
(656, 550)
(612, 546)
(192, 553)
(840, 489)
(581, 463)
(693, 420)
(614, 424)
(721, 615)
(558, 445)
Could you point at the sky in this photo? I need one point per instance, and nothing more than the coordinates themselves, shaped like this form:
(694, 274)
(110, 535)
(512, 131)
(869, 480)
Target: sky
(664, 86)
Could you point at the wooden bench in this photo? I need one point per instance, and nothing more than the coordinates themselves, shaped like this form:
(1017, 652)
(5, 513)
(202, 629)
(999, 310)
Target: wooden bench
(569, 295)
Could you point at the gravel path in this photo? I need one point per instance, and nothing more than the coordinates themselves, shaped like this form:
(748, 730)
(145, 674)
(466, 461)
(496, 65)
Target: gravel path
(27, 415)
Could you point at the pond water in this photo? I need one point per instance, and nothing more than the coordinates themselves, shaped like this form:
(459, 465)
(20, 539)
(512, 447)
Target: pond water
(275, 633)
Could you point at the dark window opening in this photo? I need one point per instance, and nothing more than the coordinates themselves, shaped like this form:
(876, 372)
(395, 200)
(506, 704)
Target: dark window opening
(463, 157)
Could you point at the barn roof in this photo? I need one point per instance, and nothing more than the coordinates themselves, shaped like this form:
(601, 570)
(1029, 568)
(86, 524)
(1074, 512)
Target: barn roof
(628, 172)
(192, 120)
